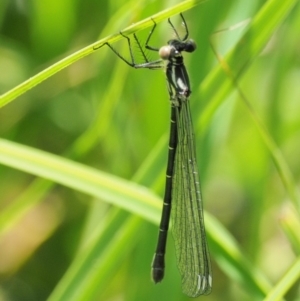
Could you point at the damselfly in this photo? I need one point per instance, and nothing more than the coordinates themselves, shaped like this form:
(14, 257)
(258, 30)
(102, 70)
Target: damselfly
(182, 189)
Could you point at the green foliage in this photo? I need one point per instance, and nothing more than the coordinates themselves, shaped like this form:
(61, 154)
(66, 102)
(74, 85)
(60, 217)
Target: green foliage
(83, 153)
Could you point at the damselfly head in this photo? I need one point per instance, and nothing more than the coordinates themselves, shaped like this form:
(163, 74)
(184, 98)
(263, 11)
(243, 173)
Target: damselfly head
(190, 45)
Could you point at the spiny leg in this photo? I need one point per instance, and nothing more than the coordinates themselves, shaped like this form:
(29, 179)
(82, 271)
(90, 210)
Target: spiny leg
(157, 64)
(132, 63)
(185, 26)
(149, 37)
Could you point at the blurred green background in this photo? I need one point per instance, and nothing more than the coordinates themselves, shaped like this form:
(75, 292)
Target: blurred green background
(106, 115)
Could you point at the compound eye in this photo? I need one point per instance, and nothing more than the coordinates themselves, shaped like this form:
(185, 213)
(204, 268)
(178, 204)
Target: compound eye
(166, 52)
(190, 45)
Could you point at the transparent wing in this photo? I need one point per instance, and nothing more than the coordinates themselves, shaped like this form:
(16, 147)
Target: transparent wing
(187, 212)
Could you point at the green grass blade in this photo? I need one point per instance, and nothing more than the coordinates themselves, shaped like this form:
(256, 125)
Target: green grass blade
(290, 222)
(92, 269)
(270, 15)
(217, 85)
(124, 194)
(48, 72)
(285, 283)
(222, 248)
